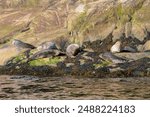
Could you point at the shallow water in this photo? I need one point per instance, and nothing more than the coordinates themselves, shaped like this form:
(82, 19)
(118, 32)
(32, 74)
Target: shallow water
(27, 87)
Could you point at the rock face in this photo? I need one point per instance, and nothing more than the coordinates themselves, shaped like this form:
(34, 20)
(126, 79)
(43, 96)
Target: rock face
(86, 19)
(112, 16)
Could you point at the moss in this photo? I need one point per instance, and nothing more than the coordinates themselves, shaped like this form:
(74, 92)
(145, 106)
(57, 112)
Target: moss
(102, 64)
(19, 58)
(46, 61)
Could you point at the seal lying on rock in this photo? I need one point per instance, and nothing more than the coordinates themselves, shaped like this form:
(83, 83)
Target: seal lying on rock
(47, 45)
(116, 47)
(128, 49)
(73, 50)
(45, 54)
(21, 45)
(111, 57)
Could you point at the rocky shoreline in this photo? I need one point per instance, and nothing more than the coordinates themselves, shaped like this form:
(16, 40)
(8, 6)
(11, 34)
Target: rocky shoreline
(77, 67)
(93, 61)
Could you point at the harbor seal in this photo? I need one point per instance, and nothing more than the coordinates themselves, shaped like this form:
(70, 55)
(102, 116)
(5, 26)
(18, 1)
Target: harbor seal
(73, 50)
(22, 45)
(112, 58)
(47, 46)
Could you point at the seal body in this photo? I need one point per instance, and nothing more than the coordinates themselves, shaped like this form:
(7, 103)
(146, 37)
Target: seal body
(72, 50)
(128, 49)
(47, 46)
(112, 58)
(22, 45)
(116, 47)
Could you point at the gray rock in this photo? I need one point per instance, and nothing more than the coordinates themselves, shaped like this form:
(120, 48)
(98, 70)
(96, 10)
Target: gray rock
(73, 50)
(47, 45)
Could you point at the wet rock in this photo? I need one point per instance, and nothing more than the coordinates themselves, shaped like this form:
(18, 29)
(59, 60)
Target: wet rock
(47, 46)
(73, 50)
(116, 47)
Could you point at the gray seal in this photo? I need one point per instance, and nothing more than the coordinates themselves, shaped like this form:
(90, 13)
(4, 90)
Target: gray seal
(111, 57)
(72, 50)
(22, 45)
(46, 54)
(47, 45)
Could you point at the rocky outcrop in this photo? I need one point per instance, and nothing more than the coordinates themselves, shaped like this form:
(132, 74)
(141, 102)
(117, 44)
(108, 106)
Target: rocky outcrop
(117, 17)
(46, 20)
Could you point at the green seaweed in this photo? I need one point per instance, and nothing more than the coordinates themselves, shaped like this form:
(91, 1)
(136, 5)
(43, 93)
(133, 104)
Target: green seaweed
(102, 64)
(46, 61)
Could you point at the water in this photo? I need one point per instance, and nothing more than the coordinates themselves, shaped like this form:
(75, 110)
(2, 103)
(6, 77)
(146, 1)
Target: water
(27, 87)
